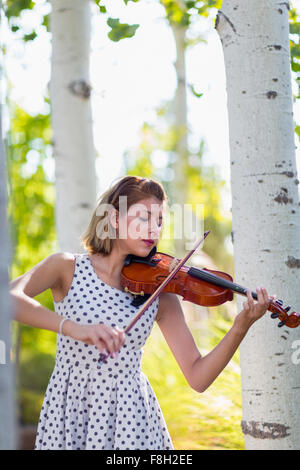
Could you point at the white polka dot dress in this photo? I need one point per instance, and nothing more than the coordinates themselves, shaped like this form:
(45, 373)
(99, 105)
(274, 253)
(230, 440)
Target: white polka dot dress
(111, 406)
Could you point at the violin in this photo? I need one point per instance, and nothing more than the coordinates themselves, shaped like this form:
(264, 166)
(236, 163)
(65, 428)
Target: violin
(141, 276)
(146, 277)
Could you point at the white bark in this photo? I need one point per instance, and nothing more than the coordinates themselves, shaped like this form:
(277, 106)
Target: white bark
(265, 209)
(7, 384)
(181, 128)
(70, 91)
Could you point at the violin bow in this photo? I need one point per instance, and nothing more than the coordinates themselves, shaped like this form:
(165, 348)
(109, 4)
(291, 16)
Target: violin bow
(156, 293)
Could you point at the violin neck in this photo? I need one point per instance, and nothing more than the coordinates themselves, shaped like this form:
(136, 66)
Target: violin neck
(219, 281)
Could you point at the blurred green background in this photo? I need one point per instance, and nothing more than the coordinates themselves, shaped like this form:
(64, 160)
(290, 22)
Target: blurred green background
(196, 421)
(210, 420)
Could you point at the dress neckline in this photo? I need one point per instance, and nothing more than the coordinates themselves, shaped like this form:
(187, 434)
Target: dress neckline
(105, 283)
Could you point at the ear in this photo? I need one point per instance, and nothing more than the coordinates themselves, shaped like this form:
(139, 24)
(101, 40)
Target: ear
(114, 218)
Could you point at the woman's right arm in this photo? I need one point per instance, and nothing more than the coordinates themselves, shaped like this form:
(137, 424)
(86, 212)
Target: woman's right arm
(46, 275)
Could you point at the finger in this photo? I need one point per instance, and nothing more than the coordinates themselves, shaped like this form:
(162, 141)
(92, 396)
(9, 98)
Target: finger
(260, 296)
(250, 298)
(121, 336)
(100, 345)
(113, 338)
(114, 333)
(265, 295)
(107, 337)
(117, 338)
(264, 298)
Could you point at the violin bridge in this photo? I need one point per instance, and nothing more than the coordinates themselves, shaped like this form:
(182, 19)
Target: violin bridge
(173, 264)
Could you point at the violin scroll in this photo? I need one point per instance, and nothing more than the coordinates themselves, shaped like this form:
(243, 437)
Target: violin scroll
(276, 307)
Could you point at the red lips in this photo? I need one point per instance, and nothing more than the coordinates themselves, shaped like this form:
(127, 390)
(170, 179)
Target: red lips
(148, 242)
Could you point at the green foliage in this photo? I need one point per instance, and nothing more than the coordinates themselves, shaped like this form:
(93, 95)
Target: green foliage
(126, 1)
(30, 404)
(204, 185)
(176, 14)
(294, 21)
(120, 30)
(181, 13)
(36, 370)
(295, 44)
(102, 8)
(31, 196)
(206, 421)
(196, 421)
(13, 8)
(31, 202)
(29, 37)
(198, 95)
(46, 22)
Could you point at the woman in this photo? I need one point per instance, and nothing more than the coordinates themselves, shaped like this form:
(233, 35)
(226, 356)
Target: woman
(112, 405)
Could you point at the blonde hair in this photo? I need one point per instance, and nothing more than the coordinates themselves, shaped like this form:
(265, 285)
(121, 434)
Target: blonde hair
(135, 188)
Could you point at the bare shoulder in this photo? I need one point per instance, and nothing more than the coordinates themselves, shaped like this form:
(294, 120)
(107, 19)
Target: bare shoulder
(65, 265)
(53, 273)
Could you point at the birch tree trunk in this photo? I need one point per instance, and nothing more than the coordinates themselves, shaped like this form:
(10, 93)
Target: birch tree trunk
(181, 129)
(7, 385)
(265, 210)
(70, 91)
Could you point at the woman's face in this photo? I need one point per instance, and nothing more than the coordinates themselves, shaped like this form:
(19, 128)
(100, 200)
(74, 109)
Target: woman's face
(141, 225)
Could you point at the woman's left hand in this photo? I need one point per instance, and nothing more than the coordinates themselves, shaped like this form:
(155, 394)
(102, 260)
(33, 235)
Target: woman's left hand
(252, 310)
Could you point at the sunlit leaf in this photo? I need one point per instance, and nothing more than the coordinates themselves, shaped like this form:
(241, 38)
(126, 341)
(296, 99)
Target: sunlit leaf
(30, 37)
(198, 95)
(15, 7)
(120, 30)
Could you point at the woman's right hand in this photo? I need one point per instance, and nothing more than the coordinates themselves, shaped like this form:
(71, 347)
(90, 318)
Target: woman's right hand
(105, 338)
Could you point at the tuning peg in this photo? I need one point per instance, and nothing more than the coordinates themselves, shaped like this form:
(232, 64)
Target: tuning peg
(281, 323)
(279, 301)
(287, 308)
(274, 315)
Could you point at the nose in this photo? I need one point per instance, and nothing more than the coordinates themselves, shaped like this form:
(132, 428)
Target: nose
(155, 228)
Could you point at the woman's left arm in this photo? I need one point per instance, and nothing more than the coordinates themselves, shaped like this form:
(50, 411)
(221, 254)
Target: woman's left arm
(200, 371)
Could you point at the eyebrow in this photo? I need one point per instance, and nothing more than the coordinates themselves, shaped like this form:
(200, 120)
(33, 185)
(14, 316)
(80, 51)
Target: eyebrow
(149, 212)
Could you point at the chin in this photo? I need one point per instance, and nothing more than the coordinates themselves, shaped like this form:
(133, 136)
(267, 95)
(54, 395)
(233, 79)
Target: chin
(141, 249)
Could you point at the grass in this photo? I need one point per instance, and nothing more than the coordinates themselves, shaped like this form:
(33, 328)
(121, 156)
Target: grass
(203, 421)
